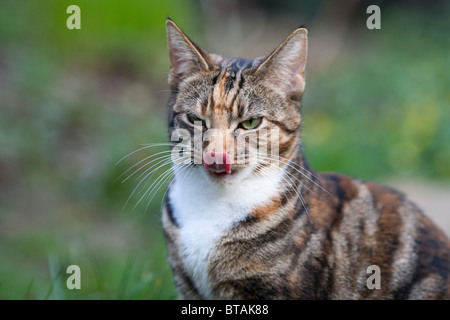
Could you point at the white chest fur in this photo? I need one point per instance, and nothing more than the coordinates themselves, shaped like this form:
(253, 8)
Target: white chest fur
(205, 212)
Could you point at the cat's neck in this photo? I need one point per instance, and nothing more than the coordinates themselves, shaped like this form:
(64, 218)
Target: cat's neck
(205, 212)
(203, 199)
(197, 197)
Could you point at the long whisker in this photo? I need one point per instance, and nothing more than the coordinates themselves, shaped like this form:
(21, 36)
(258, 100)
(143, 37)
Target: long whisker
(162, 144)
(291, 165)
(133, 152)
(292, 185)
(168, 171)
(160, 164)
(163, 179)
(291, 162)
(145, 146)
(159, 160)
(291, 175)
(285, 160)
(145, 177)
(295, 166)
(177, 168)
(146, 158)
(259, 166)
(173, 180)
(157, 181)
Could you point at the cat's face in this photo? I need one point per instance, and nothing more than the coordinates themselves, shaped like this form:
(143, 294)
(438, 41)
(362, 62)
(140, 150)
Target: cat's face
(241, 116)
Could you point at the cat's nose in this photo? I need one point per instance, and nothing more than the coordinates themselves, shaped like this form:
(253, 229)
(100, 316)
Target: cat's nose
(217, 161)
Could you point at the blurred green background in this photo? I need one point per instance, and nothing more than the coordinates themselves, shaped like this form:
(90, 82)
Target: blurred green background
(74, 102)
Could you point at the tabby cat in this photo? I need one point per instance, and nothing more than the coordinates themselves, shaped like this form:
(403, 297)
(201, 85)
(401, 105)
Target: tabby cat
(235, 231)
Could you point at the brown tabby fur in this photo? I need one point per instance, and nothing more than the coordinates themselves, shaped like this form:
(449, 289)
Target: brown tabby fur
(284, 249)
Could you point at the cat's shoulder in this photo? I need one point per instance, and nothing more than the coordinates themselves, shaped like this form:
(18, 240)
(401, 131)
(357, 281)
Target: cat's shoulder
(354, 196)
(345, 187)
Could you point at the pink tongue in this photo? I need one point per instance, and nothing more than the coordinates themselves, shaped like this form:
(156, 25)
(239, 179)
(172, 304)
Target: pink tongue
(217, 161)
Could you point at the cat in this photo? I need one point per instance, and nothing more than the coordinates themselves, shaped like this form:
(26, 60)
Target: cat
(234, 232)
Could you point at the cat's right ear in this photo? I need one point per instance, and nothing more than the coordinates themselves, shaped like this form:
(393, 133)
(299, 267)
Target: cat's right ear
(284, 68)
(186, 58)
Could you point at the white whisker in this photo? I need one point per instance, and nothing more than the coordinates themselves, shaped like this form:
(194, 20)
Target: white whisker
(146, 158)
(145, 177)
(163, 159)
(162, 182)
(291, 164)
(294, 187)
(157, 181)
(146, 146)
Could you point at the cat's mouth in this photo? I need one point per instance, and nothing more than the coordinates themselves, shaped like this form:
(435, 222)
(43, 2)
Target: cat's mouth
(218, 165)
(222, 174)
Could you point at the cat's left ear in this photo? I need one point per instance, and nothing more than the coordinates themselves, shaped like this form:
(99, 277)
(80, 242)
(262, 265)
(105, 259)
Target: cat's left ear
(186, 58)
(284, 68)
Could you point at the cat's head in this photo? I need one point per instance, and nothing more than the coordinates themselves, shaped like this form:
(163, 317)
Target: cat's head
(238, 116)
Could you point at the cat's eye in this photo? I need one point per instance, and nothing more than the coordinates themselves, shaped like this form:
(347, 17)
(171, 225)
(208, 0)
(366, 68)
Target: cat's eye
(192, 119)
(252, 123)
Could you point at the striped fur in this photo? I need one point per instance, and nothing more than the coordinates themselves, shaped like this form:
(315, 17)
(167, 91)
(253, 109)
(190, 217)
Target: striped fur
(292, 233)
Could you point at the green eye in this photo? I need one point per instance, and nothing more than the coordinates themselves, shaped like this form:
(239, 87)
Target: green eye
(251, 123)
(193, 119)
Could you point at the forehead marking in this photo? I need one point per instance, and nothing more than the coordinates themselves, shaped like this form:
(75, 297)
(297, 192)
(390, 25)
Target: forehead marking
(226, 87)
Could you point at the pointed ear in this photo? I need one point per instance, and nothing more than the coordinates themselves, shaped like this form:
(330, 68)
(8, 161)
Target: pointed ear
(284, 68)
(186, 57)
